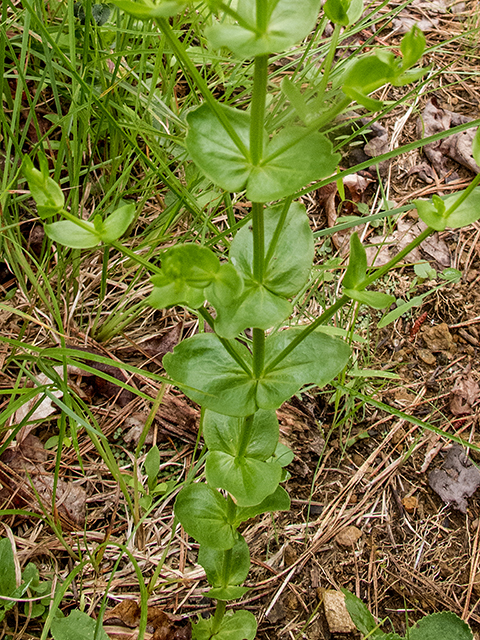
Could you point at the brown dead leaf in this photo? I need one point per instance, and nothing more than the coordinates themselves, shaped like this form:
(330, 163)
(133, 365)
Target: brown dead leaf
(165, 626)
(404, 24)
(458, 479)
(457, 147)
(24, 464)
(157, 347)
(464, 395)
(384, 248)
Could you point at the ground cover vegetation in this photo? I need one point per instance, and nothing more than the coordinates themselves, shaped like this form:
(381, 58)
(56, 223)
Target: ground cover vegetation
(200, 99)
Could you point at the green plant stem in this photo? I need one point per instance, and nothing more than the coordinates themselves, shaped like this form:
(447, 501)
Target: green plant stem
(329, 313)
(227, 344)
(245, 436)
(329, 60)
(218, 616)
(256, 150)
(191, 70)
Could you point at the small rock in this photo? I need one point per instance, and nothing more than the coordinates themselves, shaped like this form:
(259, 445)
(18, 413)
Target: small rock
(348, 537)
(438, 337)
(410, 503)
(338, 618)
(427, 356)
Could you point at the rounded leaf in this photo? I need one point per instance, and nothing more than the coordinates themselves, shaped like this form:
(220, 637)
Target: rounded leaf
(203, 514)
(226, 567)
(209, 375)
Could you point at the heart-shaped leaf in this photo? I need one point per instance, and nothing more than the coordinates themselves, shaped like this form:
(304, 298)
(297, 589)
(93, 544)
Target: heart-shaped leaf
(289, 264)
(277, 501)
(287, 24)
(292, 157)
(209, 375)
(287, 268)
(225, 568)
(292, 160)
(257, 439)
(255, 307)
(203, 513)
(318, 359)
(240, 625)
(436, 214)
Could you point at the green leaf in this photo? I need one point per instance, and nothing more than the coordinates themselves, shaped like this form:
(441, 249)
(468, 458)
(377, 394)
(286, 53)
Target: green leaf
(374, 299)
(288, 23)
(203, 513)
(277, 501)
(240, 625)
(187, 270)
(283, 454)
(227, 285)
(295, 98)
(367, 75)
(255, 307)
(412, 47)
(76, 236)
(146, 9)
(152, 466)
(285, 273)
(361, 616)
(476, 147)
(400, 310)
(116, 224)
(436, 214)
(8, 582)
(79, 626)
(230, 435)
(226, 567)
(209, 375)
(343, 12)
(306, 158)
(249, 480)
(357, 264)
(444, 626)
(212, 149)
(289, 266)
(318, 359)
(238, 450)
(231, 592)
(296, 158)
(31, 576)
(101, 13)
(73, 235)
(46, 192)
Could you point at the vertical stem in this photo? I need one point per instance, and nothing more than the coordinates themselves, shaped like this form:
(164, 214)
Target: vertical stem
(257, 133)
(218, 615)
(259, 95)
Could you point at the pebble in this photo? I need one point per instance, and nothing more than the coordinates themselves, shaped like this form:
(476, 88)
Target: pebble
(348, 537)
(427, 356)
(338, 618)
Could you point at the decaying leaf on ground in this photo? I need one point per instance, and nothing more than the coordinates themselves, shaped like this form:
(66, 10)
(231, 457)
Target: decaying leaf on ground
(457, 480)
(163, 625)
(458, 147)
(464, 395)
(383, 248)
(23, 467)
